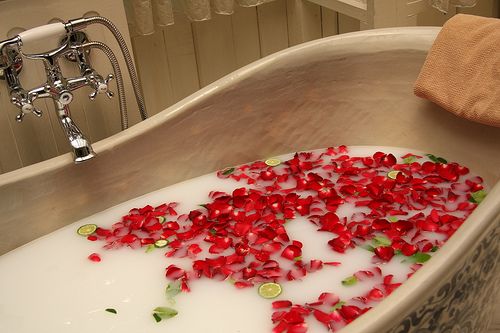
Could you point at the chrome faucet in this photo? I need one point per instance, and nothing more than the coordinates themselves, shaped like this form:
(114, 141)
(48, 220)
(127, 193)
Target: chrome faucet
(59, 89)
(74, 46)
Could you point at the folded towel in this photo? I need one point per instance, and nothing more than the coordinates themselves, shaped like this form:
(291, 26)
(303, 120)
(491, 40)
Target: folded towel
(462, 70)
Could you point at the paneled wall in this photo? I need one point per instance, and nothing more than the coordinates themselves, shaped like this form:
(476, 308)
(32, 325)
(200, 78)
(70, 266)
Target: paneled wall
(173, 62)
(177, 60)
(38, 139)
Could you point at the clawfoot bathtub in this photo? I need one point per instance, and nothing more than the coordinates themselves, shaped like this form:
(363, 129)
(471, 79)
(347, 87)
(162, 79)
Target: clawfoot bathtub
(353, 89)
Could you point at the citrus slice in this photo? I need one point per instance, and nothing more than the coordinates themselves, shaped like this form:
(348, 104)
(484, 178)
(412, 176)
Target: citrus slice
(270, 290)
(273, 162)
(161, 243)
(86, 230)
(393, 174)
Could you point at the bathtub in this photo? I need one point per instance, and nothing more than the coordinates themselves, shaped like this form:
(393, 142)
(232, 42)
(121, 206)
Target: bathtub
(352, 89)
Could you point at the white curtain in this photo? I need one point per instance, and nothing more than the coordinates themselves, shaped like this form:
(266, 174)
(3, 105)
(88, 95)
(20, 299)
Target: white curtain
(145, 15)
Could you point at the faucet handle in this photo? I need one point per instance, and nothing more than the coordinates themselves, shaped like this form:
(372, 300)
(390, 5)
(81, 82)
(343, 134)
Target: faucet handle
(20, 115)
(109, 93)
(101, 86)
(26, 106)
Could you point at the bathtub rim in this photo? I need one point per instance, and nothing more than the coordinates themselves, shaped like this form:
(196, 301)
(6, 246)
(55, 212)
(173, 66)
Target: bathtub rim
(120, 138)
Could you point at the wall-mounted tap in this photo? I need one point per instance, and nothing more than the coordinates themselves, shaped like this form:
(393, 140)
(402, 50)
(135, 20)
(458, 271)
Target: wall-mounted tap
(74, 46)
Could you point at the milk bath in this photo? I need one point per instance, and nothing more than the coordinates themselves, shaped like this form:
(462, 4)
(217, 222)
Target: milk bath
(49, 285)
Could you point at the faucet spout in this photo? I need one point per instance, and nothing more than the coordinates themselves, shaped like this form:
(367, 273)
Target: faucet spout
(82, 149)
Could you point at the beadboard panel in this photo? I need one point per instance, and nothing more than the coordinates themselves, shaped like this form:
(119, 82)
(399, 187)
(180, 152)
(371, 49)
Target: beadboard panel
(246, 35)
(304, 21)
(273, 27)
(215, 48)
(173, 62)
(181, 54)
(153, 68)
(329, 22)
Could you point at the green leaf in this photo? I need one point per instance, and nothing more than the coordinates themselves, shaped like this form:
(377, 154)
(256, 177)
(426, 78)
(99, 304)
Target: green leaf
(397, 252)
(381, 241)
(157, 317)
(392, 219)
(478, 196)
(368, 247)
(212, 231)
(350, 281)
(163, 312)
(228, 171)
(436, 159)
(420, 257)
(409, 160)
(337, 306)
(299, 258)
(173, 289)
(110, 310)
(203, 205)
(150, 248)
(434, 248)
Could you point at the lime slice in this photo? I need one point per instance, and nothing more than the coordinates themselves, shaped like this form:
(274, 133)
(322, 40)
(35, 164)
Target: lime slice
(87, 229)
(273, 162)
(350, 281)
(270, 290)
(393, 174)
(161, 243)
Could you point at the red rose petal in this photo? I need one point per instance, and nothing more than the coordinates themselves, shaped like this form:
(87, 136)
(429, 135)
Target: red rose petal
(247, 229)
(384, 252)
(281, 304)
(94, 257)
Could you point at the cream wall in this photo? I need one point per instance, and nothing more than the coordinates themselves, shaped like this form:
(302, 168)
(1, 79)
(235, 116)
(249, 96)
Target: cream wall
(177, 60)
(37, 139)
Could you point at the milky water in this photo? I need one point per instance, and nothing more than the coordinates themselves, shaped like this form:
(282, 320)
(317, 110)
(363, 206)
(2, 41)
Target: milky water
(49, 285)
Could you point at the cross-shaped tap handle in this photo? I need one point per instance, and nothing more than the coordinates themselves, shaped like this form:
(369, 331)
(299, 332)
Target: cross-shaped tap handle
(26, 106)
(101, 86)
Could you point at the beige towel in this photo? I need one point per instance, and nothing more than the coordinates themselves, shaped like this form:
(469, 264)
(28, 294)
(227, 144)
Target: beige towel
(462, 70)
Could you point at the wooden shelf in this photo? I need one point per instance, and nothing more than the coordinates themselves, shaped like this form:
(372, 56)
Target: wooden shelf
(357, 9)
(377, 13)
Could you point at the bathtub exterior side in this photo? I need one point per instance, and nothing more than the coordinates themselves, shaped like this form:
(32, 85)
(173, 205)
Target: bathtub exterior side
(463, 302)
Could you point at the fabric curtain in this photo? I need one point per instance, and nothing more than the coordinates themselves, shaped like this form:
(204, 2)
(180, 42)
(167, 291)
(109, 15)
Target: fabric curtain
(145, 15)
